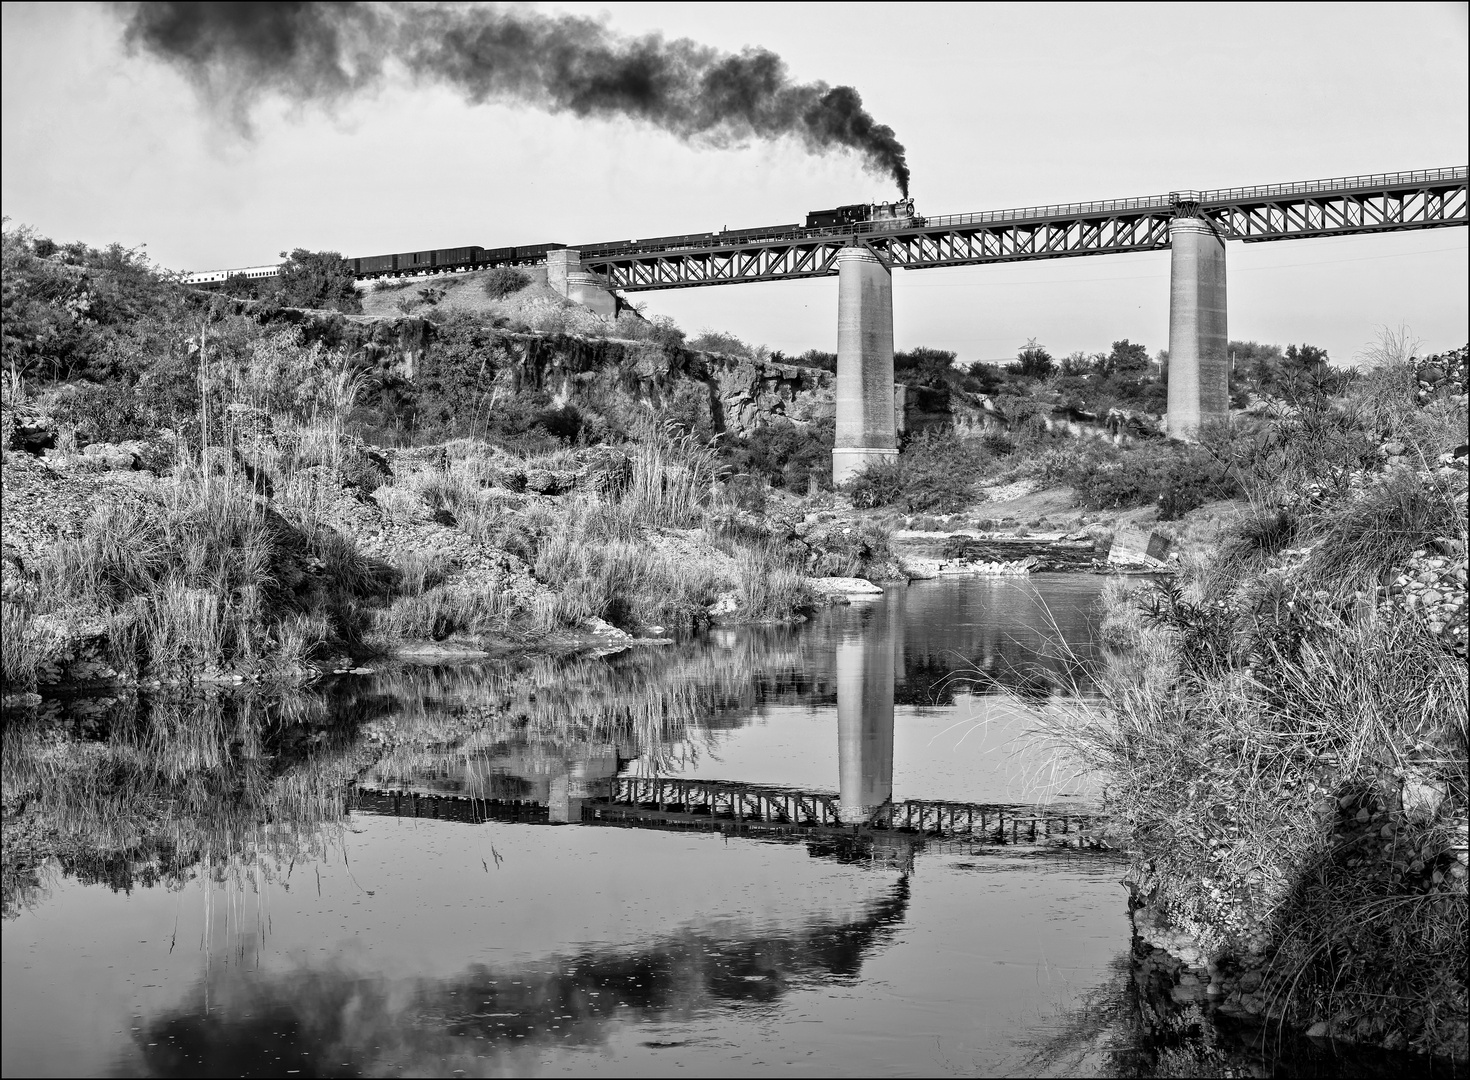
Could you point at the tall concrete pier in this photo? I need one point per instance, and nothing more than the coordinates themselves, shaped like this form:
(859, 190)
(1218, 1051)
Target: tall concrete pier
(864, 727)
(865, 413)
(1199, 365)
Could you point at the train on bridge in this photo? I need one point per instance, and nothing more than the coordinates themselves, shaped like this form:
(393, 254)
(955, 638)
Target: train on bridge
(838, 220)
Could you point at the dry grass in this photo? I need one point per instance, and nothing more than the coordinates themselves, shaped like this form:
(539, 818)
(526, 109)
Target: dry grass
(22, 651)
(1267, 725)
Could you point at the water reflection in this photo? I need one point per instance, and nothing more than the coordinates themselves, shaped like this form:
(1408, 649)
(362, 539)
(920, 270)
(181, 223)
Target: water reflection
(485, 940)
(864, 727)
(144, 788)
(345, 1020)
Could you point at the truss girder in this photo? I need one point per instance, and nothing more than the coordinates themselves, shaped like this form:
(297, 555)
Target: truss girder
(1393, 202)
(1335, 213)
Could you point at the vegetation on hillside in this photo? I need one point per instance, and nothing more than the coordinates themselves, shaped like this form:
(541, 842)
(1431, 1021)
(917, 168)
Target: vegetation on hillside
(1286, 723)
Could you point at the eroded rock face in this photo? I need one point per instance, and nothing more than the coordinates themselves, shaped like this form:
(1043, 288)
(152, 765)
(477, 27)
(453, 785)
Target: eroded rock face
(735, 393)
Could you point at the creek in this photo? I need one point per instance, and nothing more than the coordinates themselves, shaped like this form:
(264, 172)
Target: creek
(707, 858)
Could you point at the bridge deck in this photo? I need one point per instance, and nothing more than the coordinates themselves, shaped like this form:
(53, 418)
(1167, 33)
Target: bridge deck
(1383, 202)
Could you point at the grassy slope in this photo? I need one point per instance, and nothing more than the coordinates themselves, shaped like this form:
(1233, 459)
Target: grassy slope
(196, 575)
(1287, 731)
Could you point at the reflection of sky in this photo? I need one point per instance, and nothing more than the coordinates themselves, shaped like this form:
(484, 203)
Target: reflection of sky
(621, 950)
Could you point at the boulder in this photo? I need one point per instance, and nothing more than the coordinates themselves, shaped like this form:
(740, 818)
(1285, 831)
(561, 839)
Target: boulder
(117, 456)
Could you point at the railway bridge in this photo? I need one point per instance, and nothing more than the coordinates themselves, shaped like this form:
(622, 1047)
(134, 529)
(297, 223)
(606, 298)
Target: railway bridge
(1194, 225)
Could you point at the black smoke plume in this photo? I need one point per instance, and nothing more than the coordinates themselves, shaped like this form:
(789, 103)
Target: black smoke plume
(319, 53)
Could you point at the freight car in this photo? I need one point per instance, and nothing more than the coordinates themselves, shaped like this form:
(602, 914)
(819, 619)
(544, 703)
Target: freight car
(440, 260)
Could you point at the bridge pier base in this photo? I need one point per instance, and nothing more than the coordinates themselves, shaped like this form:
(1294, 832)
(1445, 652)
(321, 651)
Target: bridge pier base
(1199, 364)
(865, 409)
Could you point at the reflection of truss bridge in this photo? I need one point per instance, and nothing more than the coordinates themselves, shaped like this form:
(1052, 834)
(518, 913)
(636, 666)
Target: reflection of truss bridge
(687, 801)
(664, 803)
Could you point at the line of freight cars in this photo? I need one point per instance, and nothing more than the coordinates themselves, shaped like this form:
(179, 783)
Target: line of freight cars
(899, 214)
(460, 258)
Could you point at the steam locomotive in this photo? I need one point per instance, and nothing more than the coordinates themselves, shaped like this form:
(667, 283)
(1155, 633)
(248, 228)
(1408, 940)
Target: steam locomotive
(899, 213)
(856, 217)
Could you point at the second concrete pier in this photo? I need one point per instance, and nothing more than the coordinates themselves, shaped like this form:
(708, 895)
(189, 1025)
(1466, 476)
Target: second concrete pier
(865, 417)
(1199, 365)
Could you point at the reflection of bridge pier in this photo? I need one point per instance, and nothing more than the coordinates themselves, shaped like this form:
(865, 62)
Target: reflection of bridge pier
(865, 729)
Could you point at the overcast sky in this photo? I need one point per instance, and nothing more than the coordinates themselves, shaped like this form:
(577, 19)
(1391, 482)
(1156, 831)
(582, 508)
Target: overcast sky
(998, 105)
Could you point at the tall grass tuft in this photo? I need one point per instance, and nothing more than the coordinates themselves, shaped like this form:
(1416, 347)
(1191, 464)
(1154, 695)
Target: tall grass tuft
(1287, 747)
(673, 478)
(22, 651)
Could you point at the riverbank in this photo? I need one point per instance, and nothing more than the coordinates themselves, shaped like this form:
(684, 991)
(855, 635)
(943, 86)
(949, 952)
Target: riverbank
(299, 550)
(1286, 732)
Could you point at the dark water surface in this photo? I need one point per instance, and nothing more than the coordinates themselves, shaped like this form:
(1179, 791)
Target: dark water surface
(374, 880)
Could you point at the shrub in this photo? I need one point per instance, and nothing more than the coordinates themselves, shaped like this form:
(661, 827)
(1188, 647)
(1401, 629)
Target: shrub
(1177, 479)
(317, 279)
(935, 473)
(939, 472)
(659, 330)
(501, 281)
(878, 483)
(785, 454)
(717, 342)
(102, 413)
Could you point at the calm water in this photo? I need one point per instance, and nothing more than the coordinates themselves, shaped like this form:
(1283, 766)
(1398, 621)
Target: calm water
(372, 879)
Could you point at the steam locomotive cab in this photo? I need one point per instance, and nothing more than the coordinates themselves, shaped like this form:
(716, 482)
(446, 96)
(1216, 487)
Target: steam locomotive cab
(898, 213)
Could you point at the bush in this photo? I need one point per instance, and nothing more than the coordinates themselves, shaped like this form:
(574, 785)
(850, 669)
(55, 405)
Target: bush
(1178, 479)
(501, 281)
(785, 455)
(102, 413)
(879, 483)
(935, 473)
(717, 342)
(939, 472)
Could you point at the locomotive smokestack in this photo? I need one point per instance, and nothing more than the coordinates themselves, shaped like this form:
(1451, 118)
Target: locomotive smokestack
(323, 52)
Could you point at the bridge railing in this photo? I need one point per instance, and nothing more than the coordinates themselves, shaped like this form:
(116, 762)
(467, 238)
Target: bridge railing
(1106, 206)
(1340, 183)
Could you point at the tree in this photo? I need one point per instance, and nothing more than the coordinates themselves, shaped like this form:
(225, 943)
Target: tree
(317, 279)
(239, 285)
(1127, 359)
(925, 366)
(987, 377)
(1305, 358)
(1075, 364)
(1034, 362)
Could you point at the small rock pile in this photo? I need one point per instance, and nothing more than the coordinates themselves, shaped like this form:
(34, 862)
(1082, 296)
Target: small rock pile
(1444, 376)
(1432, 589)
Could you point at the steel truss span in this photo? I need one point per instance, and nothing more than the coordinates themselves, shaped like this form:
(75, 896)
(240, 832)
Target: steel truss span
(1345, 206)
